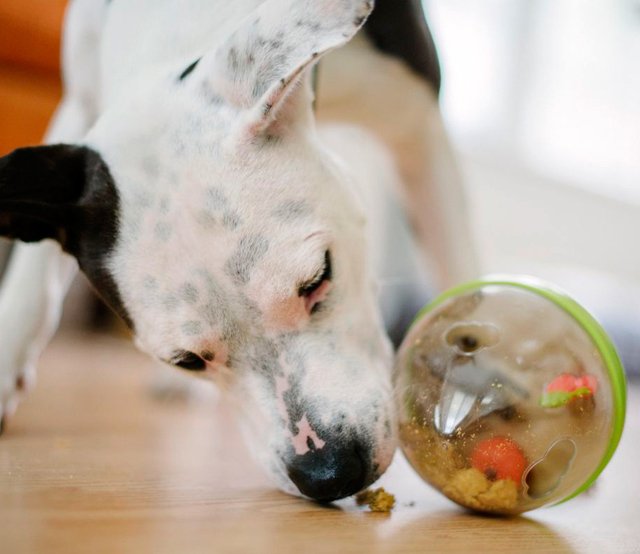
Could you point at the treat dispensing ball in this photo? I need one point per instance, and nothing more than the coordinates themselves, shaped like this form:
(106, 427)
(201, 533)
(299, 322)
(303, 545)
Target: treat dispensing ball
(510, 395)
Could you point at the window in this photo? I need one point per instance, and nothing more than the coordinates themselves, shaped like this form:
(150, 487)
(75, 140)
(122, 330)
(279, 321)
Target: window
(550, 85)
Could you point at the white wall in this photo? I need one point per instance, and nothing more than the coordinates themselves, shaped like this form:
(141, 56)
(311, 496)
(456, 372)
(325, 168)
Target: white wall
(523, 221)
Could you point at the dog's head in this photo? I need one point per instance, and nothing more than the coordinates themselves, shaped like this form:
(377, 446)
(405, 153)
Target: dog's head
(206, 212)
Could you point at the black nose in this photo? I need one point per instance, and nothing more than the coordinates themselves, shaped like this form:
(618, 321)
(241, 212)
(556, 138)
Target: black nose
(330, 473)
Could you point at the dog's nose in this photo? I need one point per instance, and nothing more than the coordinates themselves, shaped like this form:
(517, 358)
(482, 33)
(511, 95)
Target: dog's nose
(328, 473)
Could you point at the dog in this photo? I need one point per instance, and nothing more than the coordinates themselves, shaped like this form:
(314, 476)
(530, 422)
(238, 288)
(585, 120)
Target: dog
(242, 234)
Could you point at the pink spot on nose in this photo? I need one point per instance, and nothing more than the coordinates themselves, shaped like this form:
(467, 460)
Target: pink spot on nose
(305, 435)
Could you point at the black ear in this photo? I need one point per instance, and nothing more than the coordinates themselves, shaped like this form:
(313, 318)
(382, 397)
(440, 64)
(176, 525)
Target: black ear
(66, 193)
(42, 192)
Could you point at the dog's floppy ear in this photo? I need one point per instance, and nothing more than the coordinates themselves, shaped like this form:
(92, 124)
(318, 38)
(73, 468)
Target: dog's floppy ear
(260, 64)
(47, 191)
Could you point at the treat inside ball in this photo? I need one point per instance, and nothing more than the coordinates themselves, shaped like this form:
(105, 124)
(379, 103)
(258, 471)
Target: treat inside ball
(510, 396)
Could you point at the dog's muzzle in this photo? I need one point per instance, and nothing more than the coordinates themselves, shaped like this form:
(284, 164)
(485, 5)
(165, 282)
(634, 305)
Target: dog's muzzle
(331, 473)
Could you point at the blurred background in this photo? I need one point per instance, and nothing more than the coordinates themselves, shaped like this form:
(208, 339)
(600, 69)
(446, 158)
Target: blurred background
(542, 100)
(29, 69)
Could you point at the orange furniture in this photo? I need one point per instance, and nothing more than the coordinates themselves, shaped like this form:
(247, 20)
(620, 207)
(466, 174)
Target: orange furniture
(29, 69)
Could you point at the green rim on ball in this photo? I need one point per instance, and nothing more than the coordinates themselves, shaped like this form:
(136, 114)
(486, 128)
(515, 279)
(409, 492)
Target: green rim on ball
(588, 323)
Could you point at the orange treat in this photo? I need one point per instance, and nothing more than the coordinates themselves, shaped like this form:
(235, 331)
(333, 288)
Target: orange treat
(499, 458)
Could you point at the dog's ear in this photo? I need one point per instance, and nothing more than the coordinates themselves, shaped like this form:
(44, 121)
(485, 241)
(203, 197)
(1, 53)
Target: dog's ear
(260, 65)
(48, 192)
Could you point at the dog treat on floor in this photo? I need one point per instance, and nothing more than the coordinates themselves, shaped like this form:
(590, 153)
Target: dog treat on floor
(511, 396)
(378, 500)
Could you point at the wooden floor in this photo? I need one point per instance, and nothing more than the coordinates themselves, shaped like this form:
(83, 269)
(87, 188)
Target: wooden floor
(94, 463)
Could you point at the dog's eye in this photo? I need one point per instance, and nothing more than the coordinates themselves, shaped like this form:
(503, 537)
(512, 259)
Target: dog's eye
(308, 288)
(190, 361)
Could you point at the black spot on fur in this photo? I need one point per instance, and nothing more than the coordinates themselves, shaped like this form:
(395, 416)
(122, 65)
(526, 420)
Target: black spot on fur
(216, 308)
(216, 199)
(250, 250)
(234, 61)
(231, 220)
(263, 357)
(189, 293)
(170, 302)
(291, 210)
(387, 428)
(188, 70)
(313, 27)
(296, 406)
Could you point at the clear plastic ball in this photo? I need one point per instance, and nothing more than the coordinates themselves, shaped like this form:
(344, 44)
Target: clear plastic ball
(509, 399)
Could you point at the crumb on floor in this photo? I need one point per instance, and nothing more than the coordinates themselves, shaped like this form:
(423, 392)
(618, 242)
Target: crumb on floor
(378, 500)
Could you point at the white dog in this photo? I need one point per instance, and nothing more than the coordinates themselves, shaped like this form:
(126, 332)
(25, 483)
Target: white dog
(237, 237)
